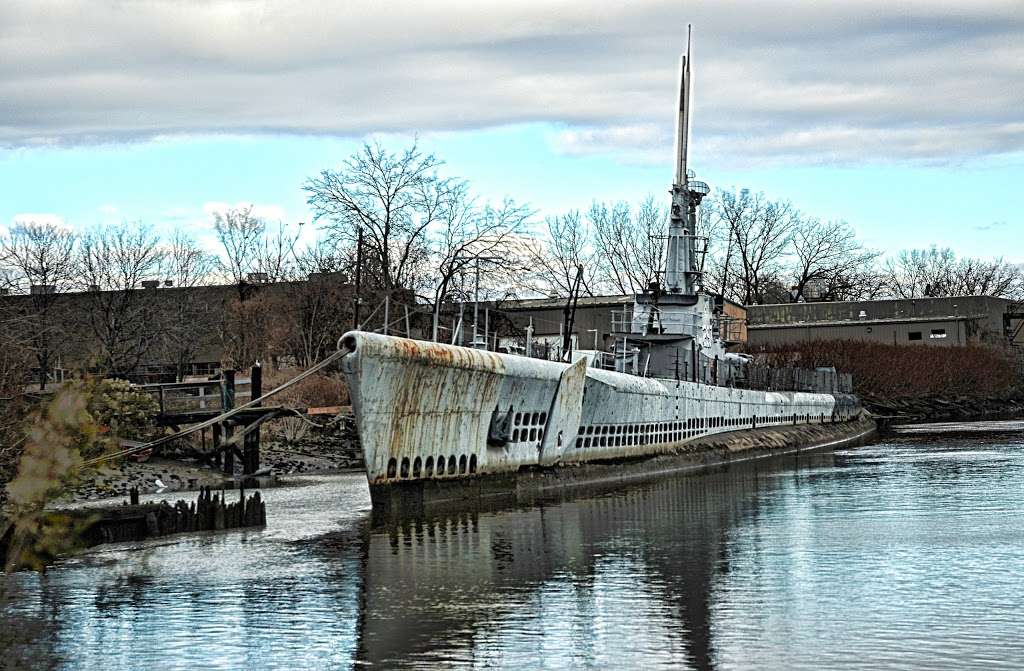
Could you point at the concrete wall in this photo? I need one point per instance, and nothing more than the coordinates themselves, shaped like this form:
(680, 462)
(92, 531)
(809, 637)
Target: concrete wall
(944, 332)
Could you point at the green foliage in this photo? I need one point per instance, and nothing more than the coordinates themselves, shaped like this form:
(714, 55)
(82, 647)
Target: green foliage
(84, 419)
(120, 411)
(57, 434)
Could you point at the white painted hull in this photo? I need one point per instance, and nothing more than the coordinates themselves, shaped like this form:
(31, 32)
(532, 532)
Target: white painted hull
(424, 411)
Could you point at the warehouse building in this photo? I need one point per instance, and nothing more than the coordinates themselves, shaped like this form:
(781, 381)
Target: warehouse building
(955, 320)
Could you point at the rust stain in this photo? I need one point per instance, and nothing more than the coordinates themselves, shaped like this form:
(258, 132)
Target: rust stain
(439, 397)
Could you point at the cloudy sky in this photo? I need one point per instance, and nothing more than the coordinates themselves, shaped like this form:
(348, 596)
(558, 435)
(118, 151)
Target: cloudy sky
(904, 118)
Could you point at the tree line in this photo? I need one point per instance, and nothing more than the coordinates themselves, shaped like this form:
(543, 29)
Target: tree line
(423, 239)
(754, 250)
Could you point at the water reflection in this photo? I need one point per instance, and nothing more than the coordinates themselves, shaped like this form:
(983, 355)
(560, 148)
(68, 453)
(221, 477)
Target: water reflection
(901, 554)
(587, 581)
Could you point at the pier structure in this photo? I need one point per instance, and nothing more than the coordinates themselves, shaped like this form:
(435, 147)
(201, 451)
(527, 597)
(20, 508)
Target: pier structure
(186, 403)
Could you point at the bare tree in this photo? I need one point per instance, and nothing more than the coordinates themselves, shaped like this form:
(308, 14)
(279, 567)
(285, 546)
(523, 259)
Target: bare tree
(759, 232)
(937, 271)
(185, 263)
(41, 262)
(471, 233)
(187, 319)
(315, 309)
(917, 273)
(113, 263)
(394, 199)
(241, 233)
(564, 245)
(244, 321)
(629, 244)
(981, 277)
(829, 256)
(275, 256)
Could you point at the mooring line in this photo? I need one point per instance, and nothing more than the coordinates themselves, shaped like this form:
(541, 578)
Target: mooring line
(219, 418)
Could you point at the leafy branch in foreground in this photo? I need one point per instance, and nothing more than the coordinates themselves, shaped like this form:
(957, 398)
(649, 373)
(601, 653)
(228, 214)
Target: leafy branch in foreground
(58, 433)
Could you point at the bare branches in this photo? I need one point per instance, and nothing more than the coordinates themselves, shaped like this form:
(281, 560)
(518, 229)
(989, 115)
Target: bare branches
(42, 255)
(471, 235)
(759, 234)
(41, 259)
(394, 199)
(113, 263)
(564, 245)
(629, 245)
(240, 233)
(118, 257)
(938, 272)
(185, 263)
(829, 264)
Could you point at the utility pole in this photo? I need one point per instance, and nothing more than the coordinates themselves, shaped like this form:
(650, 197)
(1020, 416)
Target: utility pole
(359, 274)
(476, 291)
(570, 315)
(476, 303)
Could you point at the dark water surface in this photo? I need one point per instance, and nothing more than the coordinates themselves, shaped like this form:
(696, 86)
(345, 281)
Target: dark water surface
(904, 554)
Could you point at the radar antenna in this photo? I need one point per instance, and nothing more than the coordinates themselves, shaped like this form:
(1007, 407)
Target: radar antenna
(682, 274)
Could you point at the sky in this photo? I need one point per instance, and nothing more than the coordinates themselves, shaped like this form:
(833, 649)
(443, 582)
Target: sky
(905, 119)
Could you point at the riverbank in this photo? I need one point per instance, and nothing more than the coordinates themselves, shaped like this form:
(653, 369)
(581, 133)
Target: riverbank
(944, 408)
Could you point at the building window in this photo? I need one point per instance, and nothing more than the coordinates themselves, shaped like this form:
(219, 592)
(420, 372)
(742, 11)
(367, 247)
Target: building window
(914, 335)
(938, 333)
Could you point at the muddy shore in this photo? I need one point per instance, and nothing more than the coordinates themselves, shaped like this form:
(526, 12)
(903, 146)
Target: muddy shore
(166, 475)
(928, 409)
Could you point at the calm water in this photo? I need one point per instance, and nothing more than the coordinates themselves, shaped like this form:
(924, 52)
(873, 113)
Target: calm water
(904, 554)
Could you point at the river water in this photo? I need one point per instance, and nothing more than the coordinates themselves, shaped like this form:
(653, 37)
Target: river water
(903, 554)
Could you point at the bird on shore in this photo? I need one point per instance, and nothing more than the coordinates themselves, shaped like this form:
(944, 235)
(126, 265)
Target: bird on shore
(160, 486)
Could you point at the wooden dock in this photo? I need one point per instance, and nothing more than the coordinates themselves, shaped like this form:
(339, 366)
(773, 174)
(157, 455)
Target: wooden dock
(181, 404)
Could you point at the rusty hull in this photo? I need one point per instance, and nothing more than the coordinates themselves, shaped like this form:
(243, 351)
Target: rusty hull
(423, 411)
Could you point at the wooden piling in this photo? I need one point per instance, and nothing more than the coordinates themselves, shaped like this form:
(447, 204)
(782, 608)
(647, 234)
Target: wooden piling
(228, 403)
(251, 442)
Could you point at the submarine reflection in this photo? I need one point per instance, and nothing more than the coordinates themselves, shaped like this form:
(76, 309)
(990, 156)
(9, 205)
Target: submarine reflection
(623, 577)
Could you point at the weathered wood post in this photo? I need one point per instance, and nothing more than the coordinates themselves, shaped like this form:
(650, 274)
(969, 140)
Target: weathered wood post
(227, 395)
(217, 457)
(251, 442)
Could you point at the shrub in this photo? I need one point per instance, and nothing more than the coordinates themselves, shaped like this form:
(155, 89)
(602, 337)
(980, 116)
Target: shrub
(883, 371)
(316, 391)
(122, 410)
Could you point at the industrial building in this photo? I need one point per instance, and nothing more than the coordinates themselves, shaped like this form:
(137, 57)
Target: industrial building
(593, 322)
(955, 320)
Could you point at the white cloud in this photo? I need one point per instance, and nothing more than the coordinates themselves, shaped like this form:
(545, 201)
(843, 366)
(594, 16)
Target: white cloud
(108, 210)
(642, 142)
(932, 81)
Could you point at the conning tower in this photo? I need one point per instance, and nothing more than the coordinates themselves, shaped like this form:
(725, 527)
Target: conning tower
(672, 324)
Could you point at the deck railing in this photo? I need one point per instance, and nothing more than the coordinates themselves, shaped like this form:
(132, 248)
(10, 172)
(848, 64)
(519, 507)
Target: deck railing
(183, 397)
